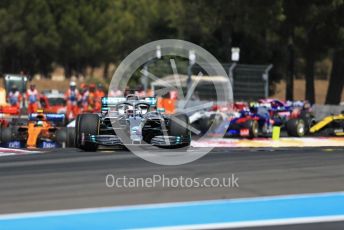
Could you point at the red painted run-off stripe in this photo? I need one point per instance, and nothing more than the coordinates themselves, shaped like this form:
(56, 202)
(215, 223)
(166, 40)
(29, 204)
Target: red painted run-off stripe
(231, 143)
(267, 142)
(11, 151)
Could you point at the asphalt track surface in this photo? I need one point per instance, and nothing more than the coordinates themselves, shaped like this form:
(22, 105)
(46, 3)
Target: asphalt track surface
(70, 179)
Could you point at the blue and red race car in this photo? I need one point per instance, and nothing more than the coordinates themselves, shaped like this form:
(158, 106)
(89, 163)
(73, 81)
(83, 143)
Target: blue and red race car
(258, 118)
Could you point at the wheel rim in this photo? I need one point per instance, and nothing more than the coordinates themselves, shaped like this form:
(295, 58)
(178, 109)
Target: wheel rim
(255, 128)
(301, 128)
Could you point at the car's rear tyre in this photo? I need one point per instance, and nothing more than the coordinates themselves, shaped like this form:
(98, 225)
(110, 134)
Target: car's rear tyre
(87, 124)
(76, 137)
(61, 136)
(5, 135)
(70, 137)
(296, 127)
(206, 123)
(253, 128)
(179, 125)
(65, 136)
(308, 119)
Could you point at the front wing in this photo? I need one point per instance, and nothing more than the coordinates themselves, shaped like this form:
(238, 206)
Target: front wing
(22, 144)
(163, 141)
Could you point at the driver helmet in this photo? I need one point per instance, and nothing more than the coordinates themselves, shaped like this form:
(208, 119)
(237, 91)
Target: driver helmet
(253, 106)
(72, 85)
(274, 104)
(244, 112)
(39, 123)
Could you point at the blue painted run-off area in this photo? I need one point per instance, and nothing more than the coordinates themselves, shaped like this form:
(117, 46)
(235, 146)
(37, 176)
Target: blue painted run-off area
(181, 214)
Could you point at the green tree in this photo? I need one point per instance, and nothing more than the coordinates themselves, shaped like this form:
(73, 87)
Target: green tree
(307, 26)
(336, 39)
(28, 36)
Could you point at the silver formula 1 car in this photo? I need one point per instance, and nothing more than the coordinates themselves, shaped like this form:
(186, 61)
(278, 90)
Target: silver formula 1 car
(131, 121)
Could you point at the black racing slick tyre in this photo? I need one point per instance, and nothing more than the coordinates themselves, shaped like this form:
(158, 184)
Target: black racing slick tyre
(6, 135)
(253, 128)
(308, 119)
(86, 125)
(65, 136)
(76, 136)
(206, 123)
(296, 127)
(179, 125)
(61, 136)
(70, 137)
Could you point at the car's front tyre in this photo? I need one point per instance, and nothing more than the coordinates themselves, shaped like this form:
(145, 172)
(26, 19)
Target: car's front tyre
(86, 125)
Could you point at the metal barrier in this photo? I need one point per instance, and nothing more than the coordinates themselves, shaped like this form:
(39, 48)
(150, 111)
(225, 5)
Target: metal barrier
(250, 82)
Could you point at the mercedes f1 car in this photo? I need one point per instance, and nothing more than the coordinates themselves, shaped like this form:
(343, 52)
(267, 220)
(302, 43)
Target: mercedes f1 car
(38, 131)
(128, 121)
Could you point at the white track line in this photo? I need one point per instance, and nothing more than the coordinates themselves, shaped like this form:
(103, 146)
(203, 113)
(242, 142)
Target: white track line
(159, 205)
(259, 223)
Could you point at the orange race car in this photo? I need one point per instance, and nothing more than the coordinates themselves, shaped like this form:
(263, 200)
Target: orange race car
(39, 131)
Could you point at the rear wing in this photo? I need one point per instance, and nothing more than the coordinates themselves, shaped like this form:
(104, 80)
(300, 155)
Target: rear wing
(52, 117)
(113, 101)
